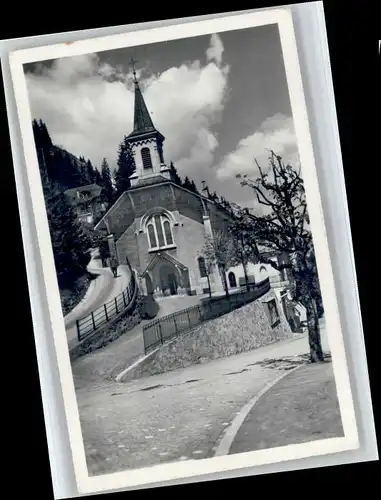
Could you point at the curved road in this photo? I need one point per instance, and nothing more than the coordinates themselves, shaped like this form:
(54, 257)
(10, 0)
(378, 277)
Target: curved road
(179, 415)
(101, 290)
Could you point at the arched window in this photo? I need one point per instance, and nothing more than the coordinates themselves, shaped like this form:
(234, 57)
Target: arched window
(202, 267)
(167, 232)
(232, 280)
(146, 158)
(159, 232)
(152, 236)
(262, 269)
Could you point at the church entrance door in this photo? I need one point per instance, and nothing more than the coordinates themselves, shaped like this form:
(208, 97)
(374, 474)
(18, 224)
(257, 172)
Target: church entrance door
(149, 285)
(172, 282)
(232, 280)
(168, 278)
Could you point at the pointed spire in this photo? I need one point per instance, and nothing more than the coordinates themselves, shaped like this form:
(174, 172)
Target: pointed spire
(142, 120)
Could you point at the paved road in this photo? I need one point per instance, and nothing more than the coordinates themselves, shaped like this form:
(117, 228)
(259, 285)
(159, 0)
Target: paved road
(303, 406)
(175, 416)
(101, 290)
(108, 362)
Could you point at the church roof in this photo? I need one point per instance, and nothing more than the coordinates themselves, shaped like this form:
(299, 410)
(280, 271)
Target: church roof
(149, 181)
(80, 193)
(165, 256)
(143, 124)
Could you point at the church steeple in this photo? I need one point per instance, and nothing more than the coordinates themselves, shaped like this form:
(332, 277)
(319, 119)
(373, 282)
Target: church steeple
(142, 120)
(145, 141)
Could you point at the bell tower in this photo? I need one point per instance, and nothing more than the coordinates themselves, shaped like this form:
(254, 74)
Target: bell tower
(145, 141)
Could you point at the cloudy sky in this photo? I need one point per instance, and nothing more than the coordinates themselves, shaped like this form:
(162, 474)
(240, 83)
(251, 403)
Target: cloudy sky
(220, 101)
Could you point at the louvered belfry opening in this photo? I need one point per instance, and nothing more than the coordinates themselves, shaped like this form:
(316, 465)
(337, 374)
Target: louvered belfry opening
(146, 158)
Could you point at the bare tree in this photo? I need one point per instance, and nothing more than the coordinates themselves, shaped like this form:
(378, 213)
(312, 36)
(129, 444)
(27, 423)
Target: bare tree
(285, 228)
(218, 250)
(242, 251)
(209, 265)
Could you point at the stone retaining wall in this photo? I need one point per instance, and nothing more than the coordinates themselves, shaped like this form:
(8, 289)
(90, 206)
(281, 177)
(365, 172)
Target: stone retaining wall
(120, 324)
(241, 330)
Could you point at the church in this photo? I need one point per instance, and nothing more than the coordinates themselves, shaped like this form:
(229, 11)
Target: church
(159, 227)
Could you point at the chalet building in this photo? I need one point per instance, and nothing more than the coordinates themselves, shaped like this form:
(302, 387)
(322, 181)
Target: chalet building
(161, 227)
(87, 201)
(282, 283)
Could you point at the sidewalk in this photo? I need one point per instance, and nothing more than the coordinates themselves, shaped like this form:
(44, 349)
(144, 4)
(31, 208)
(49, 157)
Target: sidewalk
(302, 406)
(103, 289)
(94, 267)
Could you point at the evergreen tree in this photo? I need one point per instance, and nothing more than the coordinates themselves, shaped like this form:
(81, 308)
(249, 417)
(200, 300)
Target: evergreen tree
(126, 167)
(174, 175)
(44, 147)
(41, 135)
(97, 177)
(83, 172)
(45, 136)
(187, 183)
(60, 167)
(228, 206)
(36, 133)
(60, 171)
(106, 182)
(213, 196)
(193, 187)
(70, 244)
(90, 172)
(64, 170)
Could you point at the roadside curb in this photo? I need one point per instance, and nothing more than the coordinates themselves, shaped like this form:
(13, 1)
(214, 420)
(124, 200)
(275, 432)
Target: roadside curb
(136, 363)
(231, 431)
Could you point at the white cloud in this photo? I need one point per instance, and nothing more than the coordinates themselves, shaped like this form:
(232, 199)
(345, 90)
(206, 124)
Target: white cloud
(216, 49)
(276, 133)
(88, 106)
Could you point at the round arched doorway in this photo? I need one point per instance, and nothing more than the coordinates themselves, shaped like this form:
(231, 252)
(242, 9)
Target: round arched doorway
(169, 279)
(232, 280)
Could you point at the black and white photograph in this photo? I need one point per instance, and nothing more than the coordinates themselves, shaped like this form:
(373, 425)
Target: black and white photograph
(185, 253)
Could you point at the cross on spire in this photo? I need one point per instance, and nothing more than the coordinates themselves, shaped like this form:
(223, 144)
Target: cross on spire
(132, 64)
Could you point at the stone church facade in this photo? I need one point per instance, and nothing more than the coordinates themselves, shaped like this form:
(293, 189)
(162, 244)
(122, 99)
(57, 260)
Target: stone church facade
(160, 227)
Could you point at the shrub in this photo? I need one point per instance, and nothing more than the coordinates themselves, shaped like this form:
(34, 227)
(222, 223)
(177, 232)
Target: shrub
(104, 250)
(147, 307)
(72, 294)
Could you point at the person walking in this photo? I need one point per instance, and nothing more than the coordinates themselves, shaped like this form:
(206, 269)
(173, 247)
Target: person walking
(114, 266)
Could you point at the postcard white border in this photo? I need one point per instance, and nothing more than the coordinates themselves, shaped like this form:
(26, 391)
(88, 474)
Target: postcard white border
(190, 469)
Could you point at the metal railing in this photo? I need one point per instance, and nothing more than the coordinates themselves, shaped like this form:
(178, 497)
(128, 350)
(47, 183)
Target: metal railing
(164, 329)
(97, 319)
